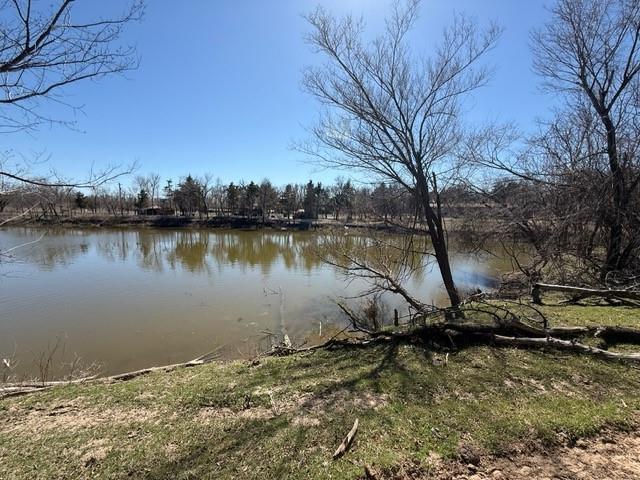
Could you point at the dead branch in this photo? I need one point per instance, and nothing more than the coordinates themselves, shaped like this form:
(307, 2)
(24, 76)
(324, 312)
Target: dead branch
(582, 292)
(566, 345)
(346, 443)
(22, 388)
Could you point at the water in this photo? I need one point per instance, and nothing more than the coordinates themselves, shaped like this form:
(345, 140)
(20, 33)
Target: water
(132, 298)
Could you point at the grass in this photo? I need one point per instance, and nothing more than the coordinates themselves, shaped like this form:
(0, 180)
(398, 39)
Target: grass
(284, 417)
(593, 315)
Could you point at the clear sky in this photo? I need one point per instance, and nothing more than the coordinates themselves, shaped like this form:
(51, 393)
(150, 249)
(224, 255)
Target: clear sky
(218, 88)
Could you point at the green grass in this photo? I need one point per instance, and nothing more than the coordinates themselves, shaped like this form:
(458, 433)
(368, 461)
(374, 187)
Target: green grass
(284, 417)
(592, 315)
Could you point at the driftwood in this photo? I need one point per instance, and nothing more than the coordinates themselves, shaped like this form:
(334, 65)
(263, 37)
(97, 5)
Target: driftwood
(346, 443)
(23, 388)
(581, 292)
(145, 371)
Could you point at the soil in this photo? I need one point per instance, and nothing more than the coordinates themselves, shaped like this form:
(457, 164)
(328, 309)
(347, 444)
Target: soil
(609, 456)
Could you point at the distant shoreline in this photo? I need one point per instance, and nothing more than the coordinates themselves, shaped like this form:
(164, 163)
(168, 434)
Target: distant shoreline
(214, 222)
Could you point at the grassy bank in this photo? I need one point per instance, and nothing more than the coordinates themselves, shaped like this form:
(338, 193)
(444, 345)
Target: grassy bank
(284, 417)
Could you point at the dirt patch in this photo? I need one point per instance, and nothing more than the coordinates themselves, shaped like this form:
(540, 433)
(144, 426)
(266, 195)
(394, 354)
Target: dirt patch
(71, 417)
(207, 414)
(611, 456)
(95, 452)
(305, 409)
(306, 421)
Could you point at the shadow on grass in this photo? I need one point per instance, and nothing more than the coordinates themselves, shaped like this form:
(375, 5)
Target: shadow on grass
(273, 445)
(278, 447)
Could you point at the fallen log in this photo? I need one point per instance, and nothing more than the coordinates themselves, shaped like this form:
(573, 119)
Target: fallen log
(570, 332)
(566, 345)
(145, 371)
(6, 392)
(610, 334)
(23, 388)
(618, 334)
(581, 292)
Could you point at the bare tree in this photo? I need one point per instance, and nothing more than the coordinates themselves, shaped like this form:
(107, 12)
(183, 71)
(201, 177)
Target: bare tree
(382, 264)
(150, 183)
(43, 49)
(141, 183)
(154, 185)
(590, 49)
(395, 114)
(206, 188)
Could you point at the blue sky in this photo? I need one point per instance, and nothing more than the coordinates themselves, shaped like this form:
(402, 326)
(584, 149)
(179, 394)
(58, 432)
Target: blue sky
(218, 88)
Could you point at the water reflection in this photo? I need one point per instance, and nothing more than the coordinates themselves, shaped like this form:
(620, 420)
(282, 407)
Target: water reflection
(194, 251)
(129, 298)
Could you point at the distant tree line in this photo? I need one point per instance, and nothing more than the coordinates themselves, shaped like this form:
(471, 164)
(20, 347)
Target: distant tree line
(204, 197)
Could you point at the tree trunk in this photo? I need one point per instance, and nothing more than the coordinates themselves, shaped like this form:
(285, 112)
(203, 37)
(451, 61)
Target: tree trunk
(438, 238)
(614, 259)
(442, 257)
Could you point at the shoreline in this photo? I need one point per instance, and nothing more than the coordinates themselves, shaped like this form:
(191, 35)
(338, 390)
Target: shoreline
(480, 413)
(504, 414)
(219, 222)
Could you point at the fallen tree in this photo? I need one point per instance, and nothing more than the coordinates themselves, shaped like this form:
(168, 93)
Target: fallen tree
(470, 335)
(566, 345)
(505, 328)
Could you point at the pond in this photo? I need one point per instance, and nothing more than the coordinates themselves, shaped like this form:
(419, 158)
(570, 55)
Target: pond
(131, 298)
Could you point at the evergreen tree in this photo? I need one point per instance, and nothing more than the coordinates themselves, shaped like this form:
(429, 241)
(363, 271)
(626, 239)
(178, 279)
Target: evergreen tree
(142, 199)
(310, 203)
(251, 193)
(168, 193)
(188, 196)
(233, 195)
(80, 200)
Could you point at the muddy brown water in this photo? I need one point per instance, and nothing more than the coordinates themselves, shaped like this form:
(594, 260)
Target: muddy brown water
(131, 298)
